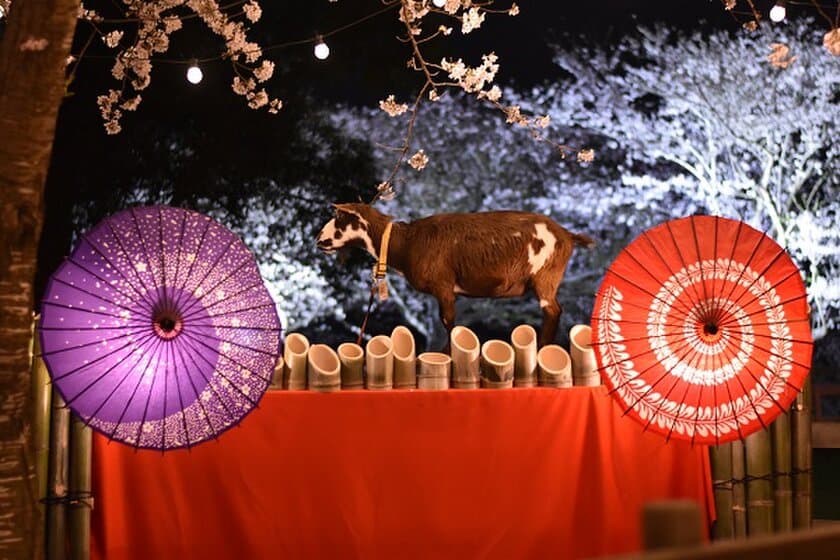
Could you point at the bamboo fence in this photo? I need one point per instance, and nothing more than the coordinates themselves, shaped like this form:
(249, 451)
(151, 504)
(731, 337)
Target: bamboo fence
(763, 484)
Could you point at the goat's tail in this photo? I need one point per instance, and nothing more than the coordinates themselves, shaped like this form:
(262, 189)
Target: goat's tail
(583, 240)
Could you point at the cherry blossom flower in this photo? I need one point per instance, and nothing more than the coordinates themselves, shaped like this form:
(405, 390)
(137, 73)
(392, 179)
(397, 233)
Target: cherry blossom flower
(780, 57)
(831, 41)
(471, 20)
(390, 106)
(419, 160)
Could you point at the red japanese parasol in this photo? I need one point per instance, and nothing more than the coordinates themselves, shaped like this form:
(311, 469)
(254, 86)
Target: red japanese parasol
(701, 329)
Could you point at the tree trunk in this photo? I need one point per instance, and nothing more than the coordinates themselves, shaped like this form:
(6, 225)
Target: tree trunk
(33, 53)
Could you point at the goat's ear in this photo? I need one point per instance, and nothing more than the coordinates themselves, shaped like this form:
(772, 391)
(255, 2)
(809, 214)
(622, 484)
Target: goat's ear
(340, 207)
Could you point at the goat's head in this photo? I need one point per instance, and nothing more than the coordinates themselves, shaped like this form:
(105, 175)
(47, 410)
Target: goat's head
(350, 227)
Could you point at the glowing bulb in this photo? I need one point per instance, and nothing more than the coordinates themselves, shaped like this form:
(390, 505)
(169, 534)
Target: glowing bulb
(322, 51)
(778, 12)
(194, 74)
(439, 3)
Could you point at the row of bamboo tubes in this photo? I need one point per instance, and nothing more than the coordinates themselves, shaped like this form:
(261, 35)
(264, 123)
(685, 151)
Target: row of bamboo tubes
(63, 445)
(391, 362)
(763, 483)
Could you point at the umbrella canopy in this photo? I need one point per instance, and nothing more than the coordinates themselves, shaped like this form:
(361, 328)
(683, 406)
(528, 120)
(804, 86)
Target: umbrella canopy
(701, 329)
(158, 329)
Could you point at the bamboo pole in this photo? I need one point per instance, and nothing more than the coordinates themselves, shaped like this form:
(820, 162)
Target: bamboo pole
(41, 400)
(739, 502)
(57, 488)
(801, 428)
(783, 495)
(78, 518)
(760, 516)
(721, 458)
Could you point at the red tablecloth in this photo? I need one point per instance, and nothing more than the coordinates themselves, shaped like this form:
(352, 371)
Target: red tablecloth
(522, 473)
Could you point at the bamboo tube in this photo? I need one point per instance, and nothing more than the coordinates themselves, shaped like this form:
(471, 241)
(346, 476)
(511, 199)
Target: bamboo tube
(739, 489)
(465, 358)
(496, 365)
(379, 362)
(78, 514)
(433, 371)
(782, 464)
(721, 459)
(760, 514)
(294, 362)
(352, 359)
(801, 428)
(41, 399)
(524, 342)
(554, 366)
(584, 367)
(57, 487)
(277, 376)
(405, 363)
(671, 523)
(323, 369)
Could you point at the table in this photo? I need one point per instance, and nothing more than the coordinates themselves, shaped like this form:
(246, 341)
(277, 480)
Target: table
(516, 473)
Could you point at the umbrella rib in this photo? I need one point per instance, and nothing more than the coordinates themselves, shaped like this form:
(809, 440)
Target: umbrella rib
(89, 344)
(140, 297)
(92, 311)
(95, 361)
(176, 350)
(223, 376)
(155, 285)
(231, 311)
(187, 313)
(210, 268)
(694, 362)
(698, 302)
(640, 354)
(240, 328)
(728, 302)
(100, 378)
(94, 328)
(683, 306)
(746, 290)
(191, 355)
(719, 298)
(746, 393)
(163, 284)
(157, 355)
(764, 310)
(116, 387)
(180, 246)
(187, 276)
(706, 300)
(270, 354)
(760, 295)
(92, 294)
(128, 258)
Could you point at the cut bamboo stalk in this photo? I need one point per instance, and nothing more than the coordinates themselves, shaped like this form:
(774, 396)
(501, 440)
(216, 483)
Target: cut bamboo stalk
(739, 489)
(405, 361)
(323, 369)
(801, 444)
(496, 365)
(782, 464)
(379, 363)
(721, 459)
(41, 399)
(760, 514)
(294, 362)
(524, 342)
(57, 487)
(433, 371)
(352, 358)
(555, 366)
(78, 512)
(277, 376)
(465, 358)
(584, 367)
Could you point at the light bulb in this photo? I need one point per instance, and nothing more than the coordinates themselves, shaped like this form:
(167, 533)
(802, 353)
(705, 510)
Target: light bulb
(322, 51)
(439, 3)
(778, 12)
(194, 74)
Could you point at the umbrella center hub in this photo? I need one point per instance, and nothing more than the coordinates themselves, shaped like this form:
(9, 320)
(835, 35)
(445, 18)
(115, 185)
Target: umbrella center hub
(167, 324)
(711, 332)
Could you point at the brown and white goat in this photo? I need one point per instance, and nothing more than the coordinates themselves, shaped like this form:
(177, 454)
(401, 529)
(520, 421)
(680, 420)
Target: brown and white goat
(488, 254)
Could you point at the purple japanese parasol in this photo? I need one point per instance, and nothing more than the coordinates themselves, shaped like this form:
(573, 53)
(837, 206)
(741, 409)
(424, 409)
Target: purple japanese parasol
(158, 329)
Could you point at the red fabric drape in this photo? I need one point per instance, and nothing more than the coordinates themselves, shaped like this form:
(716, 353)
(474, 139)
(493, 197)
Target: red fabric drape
(522, 473)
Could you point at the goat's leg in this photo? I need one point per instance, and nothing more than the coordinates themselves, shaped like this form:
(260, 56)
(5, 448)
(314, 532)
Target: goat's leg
(545, 287)
(446, 312)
